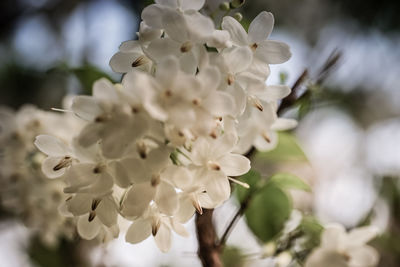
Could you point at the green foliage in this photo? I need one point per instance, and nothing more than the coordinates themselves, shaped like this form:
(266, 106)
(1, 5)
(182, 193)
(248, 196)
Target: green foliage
(232, 257)
(289, 181)
(311, 228)
(287, 149)
(253, 179)
(268, 211)
(267, 204)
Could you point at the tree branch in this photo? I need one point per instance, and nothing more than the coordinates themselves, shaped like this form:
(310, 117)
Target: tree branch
(209, 252)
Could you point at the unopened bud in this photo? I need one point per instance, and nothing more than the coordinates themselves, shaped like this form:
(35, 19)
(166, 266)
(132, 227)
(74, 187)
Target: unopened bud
(224, 6)
(238, 16)
(237, 3)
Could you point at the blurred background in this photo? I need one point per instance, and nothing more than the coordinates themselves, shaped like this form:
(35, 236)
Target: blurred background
(349, 126)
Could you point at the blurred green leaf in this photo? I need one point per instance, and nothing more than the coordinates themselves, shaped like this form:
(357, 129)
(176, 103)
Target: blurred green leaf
(268, 211)
(312, 229)
(232, 257)
(288, 149)
(253, 179)
(289, 181)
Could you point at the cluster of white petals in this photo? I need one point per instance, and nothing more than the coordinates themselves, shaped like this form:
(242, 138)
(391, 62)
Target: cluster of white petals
(341, 249)
(167, 140)
(25, 191)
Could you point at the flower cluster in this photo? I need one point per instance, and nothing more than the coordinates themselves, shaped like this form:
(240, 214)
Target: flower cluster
(25, 192)
(167, 140)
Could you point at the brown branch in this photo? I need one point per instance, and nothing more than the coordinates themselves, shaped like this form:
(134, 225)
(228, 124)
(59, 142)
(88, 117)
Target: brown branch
(235, 219)
(289, 100)
(209, 252)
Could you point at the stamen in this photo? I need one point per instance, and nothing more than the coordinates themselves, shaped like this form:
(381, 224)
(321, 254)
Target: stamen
(65, 162)
(266, 137)
(245, 185)
(61, 110)
(138, 62)
(257, 104)
(214, 166)
(95, 203)
(92, 215)
(197, 206)
(254, 47)
(155, 180)
(230, 79)
(186, 47)
(155, 226)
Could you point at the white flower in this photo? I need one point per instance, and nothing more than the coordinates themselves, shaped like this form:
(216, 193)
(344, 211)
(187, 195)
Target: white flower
(339, 248)
(267, 51)
(156, 224)
(216, 162)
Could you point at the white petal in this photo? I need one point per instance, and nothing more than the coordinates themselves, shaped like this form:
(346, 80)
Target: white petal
(283, 124)
(274, 93)
(364, 256)
(186, 210)
(326, 258)
(235, 29)
(361, 235)
(48, 166)
(218, 187)
(220, 104)
(51, 145)
(223, 145)
(179, 228)
(88, 230)
(178, 176)
(192, 4)
(138, 231)
(168, 3)
(86, 107)
(261, 27)
(163, 238)
(273, 52)
(234, 164)
(120, 174)
(175, 25)
(79, 204)
(238, 59)
(263, 145)
(137, 199)
(167, 70)
(333, 236)
(166, 198)
(104, 90)
(122, 62)
(107, 211)
(210, 78)
(152, 15)
(147, 34)
(89, 134)
(160, 49)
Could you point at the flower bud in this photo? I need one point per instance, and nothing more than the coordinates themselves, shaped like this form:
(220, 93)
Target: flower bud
(224, 6)
(237, 3)
(238, 16)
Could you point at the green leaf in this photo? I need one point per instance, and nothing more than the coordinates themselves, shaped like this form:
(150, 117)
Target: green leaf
(287, 149)
(253, 179)
(268, 211)
(312, 229)
(232, 257)
(289, 181)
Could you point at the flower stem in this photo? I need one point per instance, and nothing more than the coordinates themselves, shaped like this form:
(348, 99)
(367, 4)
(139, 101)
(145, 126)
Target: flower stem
(209, 251)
